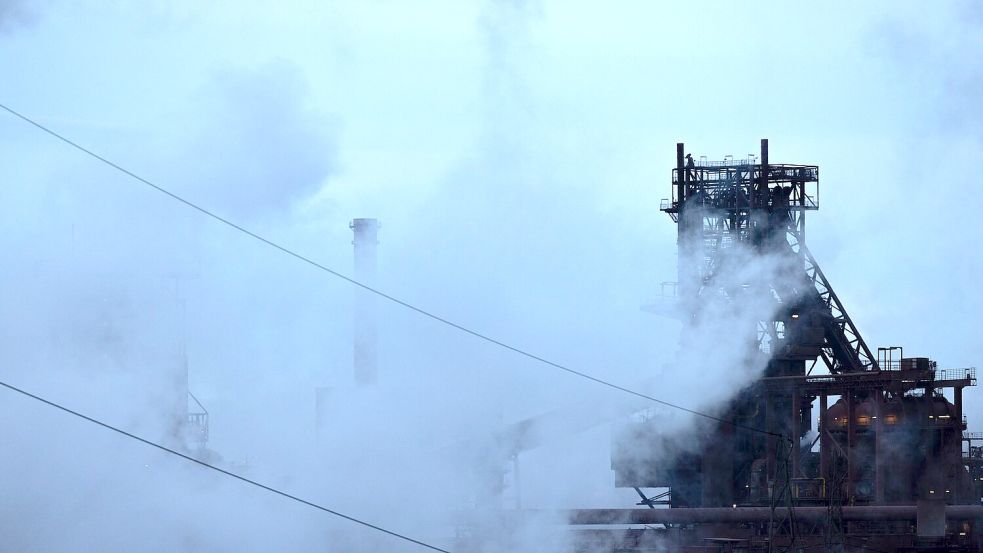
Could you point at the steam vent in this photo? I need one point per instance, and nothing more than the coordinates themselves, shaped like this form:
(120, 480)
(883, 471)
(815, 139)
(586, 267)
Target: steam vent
(835, 447)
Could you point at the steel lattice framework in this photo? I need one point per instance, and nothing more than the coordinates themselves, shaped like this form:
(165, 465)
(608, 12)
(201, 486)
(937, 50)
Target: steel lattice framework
(762, 206)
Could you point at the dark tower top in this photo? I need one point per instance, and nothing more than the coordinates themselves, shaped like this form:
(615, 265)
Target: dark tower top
(760, 207)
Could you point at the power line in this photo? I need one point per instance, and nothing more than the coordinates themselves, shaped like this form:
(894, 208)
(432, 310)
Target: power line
(376, 291)
(222, 471)
(365, 287)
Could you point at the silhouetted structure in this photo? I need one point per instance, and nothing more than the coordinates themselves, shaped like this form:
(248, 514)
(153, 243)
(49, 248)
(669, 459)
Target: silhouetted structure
(880, 467)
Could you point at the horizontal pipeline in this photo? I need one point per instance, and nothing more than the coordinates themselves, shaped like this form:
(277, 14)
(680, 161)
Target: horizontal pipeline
(756, 514)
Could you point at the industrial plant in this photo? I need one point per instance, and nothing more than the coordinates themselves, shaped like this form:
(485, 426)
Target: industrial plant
(835, 446)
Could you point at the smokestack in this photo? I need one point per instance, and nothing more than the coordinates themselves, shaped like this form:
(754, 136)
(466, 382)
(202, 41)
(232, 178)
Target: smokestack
(364, 348)
(764, 163)
(680, 174)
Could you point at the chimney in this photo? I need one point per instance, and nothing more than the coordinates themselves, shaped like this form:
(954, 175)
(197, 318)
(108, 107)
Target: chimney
(364, 347)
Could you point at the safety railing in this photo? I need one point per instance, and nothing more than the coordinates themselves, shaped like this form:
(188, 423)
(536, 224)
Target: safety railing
(965, 373)
(727, 162)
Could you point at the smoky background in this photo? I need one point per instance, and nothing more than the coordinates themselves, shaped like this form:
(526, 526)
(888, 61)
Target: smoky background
(516, 153)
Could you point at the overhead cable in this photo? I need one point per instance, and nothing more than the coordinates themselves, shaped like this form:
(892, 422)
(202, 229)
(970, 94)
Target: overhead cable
(376, 291)
(230, 474)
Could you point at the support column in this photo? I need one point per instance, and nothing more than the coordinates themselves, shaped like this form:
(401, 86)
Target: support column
(796, 431)
(957, 396)
(932, 472)
(771, 442)
(764, 165)
(879, 441)
(680, 173)
(824, 445)
(851, 469)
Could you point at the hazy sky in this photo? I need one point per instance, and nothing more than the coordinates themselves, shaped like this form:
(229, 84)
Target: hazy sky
(515, 152)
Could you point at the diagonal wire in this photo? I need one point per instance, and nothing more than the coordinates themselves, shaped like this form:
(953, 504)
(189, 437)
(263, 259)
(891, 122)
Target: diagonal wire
(376, 291)
(221, 470)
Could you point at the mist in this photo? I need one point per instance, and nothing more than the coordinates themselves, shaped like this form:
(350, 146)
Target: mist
(16, 13)
(515, 153)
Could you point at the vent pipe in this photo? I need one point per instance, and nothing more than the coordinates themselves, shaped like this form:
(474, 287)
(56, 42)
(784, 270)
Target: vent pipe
(364, 360)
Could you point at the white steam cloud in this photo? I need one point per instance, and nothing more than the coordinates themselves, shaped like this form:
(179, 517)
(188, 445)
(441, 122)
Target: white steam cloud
(17, 13)
(538, 226)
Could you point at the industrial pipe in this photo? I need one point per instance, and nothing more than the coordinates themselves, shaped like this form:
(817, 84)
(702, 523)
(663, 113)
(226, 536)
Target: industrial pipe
(756, 514)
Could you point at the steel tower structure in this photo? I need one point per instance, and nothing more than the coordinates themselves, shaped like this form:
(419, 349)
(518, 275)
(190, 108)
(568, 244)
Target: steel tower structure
(891, 438)
(761, 207)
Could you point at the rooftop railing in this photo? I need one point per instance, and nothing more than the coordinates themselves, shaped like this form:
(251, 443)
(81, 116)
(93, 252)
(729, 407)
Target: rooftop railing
(965, 373)
(726, 162)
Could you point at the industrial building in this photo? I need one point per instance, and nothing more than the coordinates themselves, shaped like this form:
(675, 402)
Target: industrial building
(836, 446)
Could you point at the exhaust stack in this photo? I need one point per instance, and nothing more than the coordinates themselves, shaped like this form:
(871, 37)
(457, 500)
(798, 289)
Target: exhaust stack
(364, 360)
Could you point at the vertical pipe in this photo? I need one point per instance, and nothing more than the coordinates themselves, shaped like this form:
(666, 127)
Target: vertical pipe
(770, 440)
(764, 169)
(954, 455)
(182, 424)
(364, 354)
(930, 435)
(687, 270)
(824, 445)
(957, 397)
(517, 481)
(680, 174)
(796, 431)
(177, 357)
(851, 414)
(879, 440)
